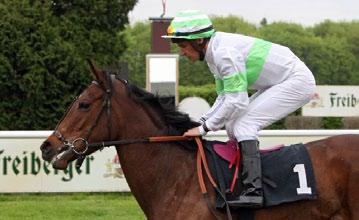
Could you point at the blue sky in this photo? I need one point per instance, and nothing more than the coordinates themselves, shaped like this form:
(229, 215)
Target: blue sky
(305, 12)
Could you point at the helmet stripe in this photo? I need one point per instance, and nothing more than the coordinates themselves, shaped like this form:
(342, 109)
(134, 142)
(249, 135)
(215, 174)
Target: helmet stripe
(195, 32)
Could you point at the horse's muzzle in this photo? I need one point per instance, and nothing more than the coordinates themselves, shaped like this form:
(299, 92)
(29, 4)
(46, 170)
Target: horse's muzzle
(59, 158)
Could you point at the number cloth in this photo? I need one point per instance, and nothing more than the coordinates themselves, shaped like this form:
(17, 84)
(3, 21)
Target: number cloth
(287, 174)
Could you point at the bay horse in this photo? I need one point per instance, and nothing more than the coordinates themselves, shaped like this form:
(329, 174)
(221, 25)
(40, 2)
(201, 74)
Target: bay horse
(162, 176)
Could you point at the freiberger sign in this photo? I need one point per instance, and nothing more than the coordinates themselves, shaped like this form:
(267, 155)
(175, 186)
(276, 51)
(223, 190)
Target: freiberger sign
(336, 101)
(23, 170)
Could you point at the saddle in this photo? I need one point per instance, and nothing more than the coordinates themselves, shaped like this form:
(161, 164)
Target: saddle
(287, 173)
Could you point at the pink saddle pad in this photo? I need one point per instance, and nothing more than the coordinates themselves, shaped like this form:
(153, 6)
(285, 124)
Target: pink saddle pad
(227, 151)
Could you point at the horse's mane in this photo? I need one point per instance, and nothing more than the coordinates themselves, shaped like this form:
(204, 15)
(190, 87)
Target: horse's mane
(177, 122)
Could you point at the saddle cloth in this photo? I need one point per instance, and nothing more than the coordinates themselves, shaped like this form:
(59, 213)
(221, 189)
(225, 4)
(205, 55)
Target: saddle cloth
(287, 175)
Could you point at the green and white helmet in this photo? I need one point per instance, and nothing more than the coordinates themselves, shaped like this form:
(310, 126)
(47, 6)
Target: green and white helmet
(190, 25)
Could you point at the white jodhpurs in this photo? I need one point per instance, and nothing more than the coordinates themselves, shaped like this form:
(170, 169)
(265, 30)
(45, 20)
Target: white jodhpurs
(272, 104)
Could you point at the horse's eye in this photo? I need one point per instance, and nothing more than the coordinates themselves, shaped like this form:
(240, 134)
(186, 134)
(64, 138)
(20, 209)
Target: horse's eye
(84, 105)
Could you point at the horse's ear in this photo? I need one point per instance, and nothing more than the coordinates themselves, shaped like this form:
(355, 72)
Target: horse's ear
(98, 74)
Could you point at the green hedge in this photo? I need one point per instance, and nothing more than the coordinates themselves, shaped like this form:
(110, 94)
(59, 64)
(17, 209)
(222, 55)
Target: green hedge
(207, 92)
(332, 122)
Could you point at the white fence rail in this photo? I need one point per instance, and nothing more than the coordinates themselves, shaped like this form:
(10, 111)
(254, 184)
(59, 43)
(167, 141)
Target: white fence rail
(23, 170)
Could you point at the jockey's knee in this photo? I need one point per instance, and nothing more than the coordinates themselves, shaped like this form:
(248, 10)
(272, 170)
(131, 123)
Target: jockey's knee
(244, 132)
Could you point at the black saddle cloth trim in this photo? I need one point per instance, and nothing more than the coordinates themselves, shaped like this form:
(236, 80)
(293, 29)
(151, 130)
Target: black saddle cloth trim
(277, 166)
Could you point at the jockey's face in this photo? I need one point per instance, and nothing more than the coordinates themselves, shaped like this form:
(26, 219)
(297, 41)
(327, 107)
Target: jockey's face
(188, 51)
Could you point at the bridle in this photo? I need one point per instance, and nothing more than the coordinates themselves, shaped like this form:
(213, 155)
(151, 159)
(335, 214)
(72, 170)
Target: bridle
(105, 107)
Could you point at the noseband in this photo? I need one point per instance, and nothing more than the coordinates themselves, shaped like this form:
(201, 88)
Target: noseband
(71, 145)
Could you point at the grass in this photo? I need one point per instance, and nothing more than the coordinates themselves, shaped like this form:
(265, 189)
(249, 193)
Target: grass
(84, 206)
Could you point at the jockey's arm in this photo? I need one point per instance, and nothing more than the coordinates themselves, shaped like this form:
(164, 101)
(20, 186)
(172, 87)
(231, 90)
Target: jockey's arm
(231, 84)
(216, 105)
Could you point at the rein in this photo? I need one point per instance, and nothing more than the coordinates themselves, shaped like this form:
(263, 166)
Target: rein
(141, 140)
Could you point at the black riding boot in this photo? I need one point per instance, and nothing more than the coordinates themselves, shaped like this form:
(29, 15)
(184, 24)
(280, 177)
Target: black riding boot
(251, 195)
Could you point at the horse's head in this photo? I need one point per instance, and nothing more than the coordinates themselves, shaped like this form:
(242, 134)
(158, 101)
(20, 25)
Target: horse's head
(110, 105)
(87, 120)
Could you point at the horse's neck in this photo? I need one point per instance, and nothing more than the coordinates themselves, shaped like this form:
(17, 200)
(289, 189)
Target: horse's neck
(157, 173)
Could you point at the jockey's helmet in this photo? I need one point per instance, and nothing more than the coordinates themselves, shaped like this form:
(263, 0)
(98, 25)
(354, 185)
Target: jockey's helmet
(190, 25)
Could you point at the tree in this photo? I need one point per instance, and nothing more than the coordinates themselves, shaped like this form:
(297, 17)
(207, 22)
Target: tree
(329, 58)
(263, 22)
(293, 36)
(347, 32)
(331, 61)
(44, 45)
(234, 24)
(139, 44)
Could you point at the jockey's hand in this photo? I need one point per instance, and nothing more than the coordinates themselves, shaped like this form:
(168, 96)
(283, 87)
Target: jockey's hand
(193, 132)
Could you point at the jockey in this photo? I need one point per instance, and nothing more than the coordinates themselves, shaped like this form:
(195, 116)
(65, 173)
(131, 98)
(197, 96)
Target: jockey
(283, 83)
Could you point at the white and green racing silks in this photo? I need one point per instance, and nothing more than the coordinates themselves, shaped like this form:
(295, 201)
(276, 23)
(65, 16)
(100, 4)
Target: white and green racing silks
(231, 84)
(239, 82)
(256, 59)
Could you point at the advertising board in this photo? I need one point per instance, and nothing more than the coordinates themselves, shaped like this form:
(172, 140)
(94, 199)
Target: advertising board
(336, 101)
(23, 170)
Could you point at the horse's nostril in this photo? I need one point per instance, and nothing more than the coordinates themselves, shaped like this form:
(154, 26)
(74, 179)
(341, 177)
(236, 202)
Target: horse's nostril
(45, 147)
(47, 150)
